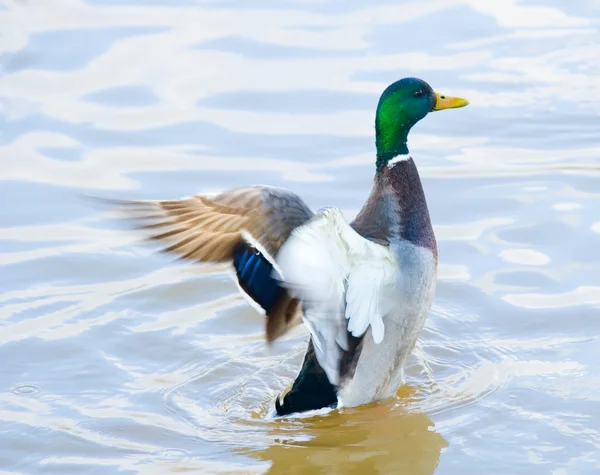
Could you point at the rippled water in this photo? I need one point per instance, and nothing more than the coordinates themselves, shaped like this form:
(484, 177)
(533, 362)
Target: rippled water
(117, 359)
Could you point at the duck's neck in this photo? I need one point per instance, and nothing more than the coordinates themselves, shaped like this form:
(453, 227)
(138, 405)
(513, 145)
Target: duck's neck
(391, 136)
(387, 154)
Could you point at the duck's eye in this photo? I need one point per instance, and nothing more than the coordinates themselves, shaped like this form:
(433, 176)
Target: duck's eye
(420, 93)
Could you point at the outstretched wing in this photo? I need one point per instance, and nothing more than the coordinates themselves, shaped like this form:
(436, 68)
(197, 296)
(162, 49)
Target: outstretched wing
(245, 226)
(346, 284)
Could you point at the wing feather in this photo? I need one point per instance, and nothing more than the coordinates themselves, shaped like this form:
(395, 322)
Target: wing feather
(268, 214)
(344, 282)
(206, 228)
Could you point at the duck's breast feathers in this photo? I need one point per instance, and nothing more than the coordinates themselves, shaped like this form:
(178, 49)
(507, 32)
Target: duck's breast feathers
(345, 282)
(397, 208)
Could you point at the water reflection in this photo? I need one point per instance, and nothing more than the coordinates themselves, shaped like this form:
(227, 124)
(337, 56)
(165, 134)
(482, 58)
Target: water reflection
(375, 439)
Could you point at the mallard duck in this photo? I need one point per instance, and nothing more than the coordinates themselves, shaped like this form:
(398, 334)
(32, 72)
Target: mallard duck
(363, 289)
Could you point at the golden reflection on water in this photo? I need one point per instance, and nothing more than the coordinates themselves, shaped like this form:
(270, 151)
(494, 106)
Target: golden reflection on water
(372, 439)
(385, 437)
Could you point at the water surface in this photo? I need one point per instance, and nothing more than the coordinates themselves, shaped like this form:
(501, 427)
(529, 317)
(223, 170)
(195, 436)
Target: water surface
(117, 359)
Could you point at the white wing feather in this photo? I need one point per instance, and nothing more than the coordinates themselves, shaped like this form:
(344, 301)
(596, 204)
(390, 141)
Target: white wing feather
(345, 282)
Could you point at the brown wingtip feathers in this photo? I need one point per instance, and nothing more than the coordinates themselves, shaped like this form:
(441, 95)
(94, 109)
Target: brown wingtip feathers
(208, 229)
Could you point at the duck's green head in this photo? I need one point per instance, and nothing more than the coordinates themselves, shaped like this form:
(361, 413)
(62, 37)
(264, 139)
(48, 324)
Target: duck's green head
(402, 105)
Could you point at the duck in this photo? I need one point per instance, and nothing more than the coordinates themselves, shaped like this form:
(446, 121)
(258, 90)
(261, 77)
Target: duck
(362, 288)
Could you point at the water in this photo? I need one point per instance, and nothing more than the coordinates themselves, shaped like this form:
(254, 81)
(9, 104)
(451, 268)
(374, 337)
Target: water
(117, 359)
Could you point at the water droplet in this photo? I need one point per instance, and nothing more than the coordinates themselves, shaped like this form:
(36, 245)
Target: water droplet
(26, 389)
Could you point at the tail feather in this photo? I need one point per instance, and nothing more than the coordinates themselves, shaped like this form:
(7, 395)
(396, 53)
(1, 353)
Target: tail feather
(311, 389)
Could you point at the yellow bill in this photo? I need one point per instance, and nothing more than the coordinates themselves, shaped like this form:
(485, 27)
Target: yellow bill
(447, 102)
